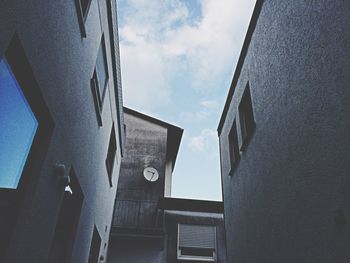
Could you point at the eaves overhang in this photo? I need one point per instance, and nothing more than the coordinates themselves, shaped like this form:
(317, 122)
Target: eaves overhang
(174, 133)
(191, 205)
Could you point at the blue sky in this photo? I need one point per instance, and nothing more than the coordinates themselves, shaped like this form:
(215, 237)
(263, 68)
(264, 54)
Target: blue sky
(177, 63)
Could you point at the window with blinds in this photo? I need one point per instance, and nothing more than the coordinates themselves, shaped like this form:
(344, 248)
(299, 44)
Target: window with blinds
(196, 242)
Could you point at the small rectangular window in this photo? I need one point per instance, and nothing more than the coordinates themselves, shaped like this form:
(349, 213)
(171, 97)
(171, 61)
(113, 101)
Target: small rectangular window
(112, 149)
(95, 247)
(196, 242)
(97, 99)
(101, 68)
(246, 117)
(99, 80)
(233, 147)
(83, 7)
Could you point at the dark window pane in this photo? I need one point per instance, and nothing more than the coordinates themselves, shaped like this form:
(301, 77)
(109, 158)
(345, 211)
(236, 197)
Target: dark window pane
(112, 148)
(101, 69)
(197, 252)
(67, 223)
(246, 116)
(95, 247)
(233, 146)
(18, 126)
(84, 6)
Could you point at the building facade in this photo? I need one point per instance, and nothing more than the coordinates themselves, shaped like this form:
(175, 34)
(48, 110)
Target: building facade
(150, 144)
(147, 223)
(284, 136)
(194, 231)
(61, 129)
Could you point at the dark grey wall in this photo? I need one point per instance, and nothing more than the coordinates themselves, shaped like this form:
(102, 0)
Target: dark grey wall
(63, 63)
(288, 200)
(163, 248)
(137, 198)
(135, 250)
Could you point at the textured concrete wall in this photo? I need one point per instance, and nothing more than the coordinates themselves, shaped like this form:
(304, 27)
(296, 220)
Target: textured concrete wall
(63, 63)
(288, 200)
(137, 198)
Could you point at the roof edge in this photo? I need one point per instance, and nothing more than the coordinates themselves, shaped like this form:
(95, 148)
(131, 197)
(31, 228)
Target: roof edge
(242, 56)
(174, 133)
(151, 119)
(191, 205)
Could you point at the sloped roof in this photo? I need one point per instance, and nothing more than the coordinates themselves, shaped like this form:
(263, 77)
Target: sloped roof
(174, 133)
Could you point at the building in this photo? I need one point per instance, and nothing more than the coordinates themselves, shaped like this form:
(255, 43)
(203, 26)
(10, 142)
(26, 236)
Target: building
(284, 136)
(147, 222)
(194, 230)
(61, 129)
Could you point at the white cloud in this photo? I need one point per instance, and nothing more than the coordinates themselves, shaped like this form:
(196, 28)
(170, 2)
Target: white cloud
(144, 80)
(206, 142)
(154, 34)
(210, 104)
(194, 117)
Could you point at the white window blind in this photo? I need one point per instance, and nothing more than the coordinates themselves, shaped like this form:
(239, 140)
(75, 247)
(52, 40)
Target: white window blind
(198, 236)
(197, 242)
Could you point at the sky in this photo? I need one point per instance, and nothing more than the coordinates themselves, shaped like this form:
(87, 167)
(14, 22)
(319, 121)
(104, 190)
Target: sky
(177, 62)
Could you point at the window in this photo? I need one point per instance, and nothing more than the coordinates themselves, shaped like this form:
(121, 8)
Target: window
(18, 128)
(233, 147)
(95, 247)
(246, 117)
(99, 80)
(61, 249)
(196, 242)
(112, 149)
(84, 7)
(25, 131)
(82, 10)
(101, 68)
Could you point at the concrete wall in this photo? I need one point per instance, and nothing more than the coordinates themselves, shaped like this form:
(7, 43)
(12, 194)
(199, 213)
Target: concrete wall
(137, 198)
(136, 201)
(288, 200)
(62, 63)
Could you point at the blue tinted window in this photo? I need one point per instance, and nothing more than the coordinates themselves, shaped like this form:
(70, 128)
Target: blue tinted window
(17, 128)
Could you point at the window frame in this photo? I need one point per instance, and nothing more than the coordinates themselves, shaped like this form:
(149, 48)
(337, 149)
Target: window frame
(185, 257)
(246, 118)
(22, 71)
(63, 231)
(111, 155)
(24, 75)
(234, 151)
(81, 16)
(95, 246)
(95, 85)
(24, 104)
